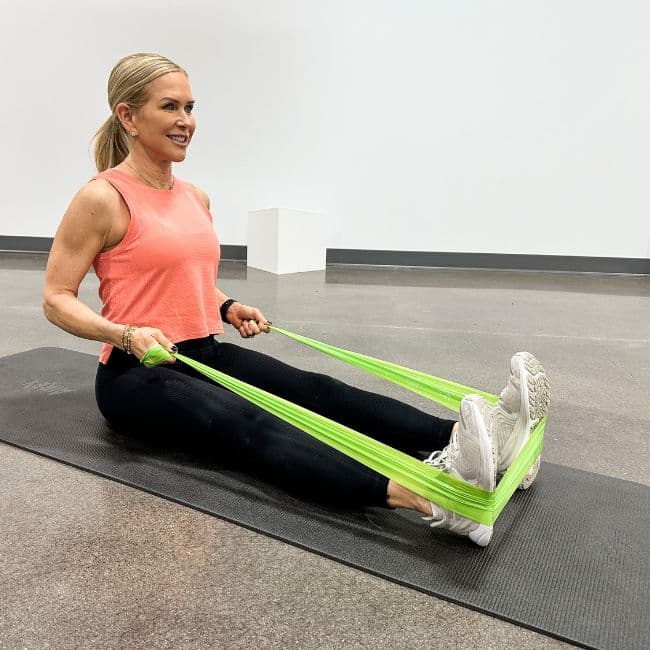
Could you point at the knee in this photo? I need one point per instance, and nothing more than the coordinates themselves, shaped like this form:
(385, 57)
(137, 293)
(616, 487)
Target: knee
(322, 385)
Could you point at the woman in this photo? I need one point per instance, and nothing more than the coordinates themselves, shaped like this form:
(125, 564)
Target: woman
(150, 239)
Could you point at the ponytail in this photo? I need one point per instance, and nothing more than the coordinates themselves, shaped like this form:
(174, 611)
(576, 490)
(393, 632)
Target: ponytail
(111, 144)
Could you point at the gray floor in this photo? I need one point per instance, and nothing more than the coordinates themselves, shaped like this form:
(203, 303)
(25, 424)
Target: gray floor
(86, 562)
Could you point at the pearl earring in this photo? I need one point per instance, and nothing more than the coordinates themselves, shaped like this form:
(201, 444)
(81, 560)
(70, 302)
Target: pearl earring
(134, 133)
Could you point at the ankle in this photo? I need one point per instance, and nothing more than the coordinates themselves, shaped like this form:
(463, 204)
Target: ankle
(400, 497)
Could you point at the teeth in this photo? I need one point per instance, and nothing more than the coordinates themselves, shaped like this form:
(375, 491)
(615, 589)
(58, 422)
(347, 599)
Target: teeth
(178, 138)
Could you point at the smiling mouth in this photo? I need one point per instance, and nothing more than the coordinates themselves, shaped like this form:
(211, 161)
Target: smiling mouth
(179, 139)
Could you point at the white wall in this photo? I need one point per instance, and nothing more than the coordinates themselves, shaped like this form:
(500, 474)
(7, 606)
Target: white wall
(502, 126)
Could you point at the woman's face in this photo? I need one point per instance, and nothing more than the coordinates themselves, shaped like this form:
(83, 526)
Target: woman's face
(165, 123)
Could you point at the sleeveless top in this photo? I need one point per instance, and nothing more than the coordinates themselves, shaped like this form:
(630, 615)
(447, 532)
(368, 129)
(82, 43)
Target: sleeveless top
(164, 271)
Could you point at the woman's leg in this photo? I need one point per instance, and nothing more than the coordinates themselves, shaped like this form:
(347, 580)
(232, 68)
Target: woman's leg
(397, 424)
(167, 401)
(164, 402)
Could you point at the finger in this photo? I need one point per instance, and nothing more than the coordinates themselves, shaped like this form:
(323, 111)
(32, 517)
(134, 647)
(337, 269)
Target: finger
(249, 326)
(160, 338)
(166, 343)
(263, 325)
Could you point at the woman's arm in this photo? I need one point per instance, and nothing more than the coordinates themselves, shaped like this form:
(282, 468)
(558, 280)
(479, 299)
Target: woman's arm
(82, 234)
(248, 321)
(88, 227)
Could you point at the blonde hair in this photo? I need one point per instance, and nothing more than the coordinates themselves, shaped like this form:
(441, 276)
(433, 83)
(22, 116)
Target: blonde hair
(127, 83)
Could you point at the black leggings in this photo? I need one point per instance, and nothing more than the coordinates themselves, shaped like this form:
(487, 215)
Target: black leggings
(173, 401)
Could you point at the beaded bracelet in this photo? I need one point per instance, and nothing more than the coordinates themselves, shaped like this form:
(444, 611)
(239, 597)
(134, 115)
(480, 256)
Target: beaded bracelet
(126, 327)
(225, 307)
(126, 338)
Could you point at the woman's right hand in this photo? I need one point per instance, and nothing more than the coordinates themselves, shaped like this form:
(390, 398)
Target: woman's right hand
(144, 338)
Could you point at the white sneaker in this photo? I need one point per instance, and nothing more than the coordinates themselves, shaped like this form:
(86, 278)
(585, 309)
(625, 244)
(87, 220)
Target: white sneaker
(471, 457)
(521, 405)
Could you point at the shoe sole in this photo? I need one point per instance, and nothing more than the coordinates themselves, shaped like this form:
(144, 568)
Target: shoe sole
(483, 534)
(534, 403)
(488, 448)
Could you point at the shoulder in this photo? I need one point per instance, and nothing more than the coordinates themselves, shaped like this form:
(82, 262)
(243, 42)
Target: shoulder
(94, 210)
(97, 195)
(205, 199)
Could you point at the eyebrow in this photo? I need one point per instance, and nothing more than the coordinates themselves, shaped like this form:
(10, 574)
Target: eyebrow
(171, 99)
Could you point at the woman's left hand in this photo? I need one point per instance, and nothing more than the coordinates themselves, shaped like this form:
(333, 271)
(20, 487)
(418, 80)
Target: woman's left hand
(248, 321)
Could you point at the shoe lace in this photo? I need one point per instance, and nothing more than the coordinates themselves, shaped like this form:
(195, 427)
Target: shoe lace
(442, 458)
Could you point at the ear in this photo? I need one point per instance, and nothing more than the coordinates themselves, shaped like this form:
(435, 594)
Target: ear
(125, 116)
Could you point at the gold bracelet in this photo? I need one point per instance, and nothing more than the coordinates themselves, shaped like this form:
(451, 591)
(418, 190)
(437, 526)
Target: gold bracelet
(126, 338)
(126, 327)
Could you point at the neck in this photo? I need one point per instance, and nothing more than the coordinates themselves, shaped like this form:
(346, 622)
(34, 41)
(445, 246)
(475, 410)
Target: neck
(158, 176)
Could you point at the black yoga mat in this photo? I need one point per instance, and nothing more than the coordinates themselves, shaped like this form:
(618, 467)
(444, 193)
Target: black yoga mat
(569, 557)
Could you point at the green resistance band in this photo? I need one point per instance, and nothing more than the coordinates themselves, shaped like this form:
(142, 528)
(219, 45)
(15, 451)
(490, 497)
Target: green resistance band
(442, 391)
(429, 482)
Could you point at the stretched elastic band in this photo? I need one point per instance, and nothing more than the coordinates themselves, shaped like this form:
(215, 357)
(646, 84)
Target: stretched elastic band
(429, 482)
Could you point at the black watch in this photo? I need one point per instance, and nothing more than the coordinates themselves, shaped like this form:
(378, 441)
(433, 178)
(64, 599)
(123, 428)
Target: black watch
(225, 307)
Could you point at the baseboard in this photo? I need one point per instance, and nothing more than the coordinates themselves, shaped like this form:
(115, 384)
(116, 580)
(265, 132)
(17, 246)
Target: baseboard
(233, 253)
(569, 263)
(351, 256)
(14, 244)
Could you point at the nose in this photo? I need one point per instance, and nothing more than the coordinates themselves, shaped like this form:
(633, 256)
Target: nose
(184, 121)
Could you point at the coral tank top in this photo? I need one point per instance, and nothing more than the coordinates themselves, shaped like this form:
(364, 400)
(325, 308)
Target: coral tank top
(164, 271)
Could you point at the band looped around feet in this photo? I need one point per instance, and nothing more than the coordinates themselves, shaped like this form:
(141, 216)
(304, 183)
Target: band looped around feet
(429, 482)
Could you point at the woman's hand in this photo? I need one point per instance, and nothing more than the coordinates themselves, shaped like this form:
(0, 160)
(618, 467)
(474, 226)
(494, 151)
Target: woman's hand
(248, 321)
(144, 338)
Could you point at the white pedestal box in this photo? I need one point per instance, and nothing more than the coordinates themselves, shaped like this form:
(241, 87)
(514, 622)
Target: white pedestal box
(286, 241)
